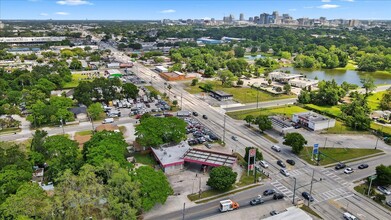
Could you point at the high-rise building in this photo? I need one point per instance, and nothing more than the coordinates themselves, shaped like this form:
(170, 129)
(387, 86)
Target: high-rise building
(250, 19)
(1, 25)
(263, 18)
(241, 17)
(256, 19)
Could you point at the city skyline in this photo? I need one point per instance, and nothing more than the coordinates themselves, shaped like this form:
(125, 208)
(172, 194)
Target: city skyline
(201, 9)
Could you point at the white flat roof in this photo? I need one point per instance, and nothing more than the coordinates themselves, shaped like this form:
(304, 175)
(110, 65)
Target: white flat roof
(169, 155)
(291, 213)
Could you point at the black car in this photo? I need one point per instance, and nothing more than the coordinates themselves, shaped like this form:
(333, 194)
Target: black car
(274, 212)
(363, 166)
(269, 192)
(291, 162)
(340, 166)
(195, 113)
(278, 196)
(256, 201)
(205, 117)
(307, 196)
(281, 164)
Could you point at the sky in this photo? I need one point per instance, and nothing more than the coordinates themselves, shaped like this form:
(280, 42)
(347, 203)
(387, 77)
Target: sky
(194, 9)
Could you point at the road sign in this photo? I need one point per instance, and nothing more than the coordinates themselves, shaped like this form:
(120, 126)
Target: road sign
(253, 152)
(316, 149)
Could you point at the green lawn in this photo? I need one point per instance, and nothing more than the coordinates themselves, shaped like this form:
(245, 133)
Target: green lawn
(76, 78)
(336, 154)
(374, 100)
(288, 110)
(242, 95)
(341, 128)
(10, 130)
(378, 127)
(350, 66)
(331, 110)
(84, 133)
(309, 210)
(146, 159)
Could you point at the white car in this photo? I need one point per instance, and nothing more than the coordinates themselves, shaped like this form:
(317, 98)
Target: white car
(264, 164)
(348, 170)
(284, 172)
(384, 190)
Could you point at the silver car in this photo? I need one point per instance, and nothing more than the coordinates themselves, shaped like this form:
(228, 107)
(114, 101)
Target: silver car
(284, 172)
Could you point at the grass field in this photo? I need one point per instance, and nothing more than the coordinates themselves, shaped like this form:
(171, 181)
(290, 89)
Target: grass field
(374, 100)
(384, 129)
(341, 128)
(242, 95)
(309, 210)
(350, 66)
(288, 110)
(146, 159)
(334, 155)
(76, 78)
(247, 180)
(10, 130)
(332, 110)
(84, 133)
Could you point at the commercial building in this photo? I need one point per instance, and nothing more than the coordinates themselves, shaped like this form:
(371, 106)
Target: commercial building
(313, 121)
(161, 69)
(303, 82)
(280, 124)
(177, 76)
(30, 40)
(113, 65)
(220, 95)
(283, 77)
(291, 213)
(204, 40)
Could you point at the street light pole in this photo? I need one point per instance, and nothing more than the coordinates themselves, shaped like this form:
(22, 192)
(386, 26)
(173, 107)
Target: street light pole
(312, 180)
(181, 101)
(62, 125)
(257, 97)
(381, 133)
(224, 130)
(294, 191)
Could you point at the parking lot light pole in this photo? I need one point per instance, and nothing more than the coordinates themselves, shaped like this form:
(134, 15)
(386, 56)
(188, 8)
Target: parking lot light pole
(294, 191)
(312, 180)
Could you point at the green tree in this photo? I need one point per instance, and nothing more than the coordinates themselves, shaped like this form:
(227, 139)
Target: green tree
(287, 88)
(263, 122)
(221, 178)
(194, 82)
(11, 178)
(368, 84)
(83, 92)
(239, 52)
(95, 110)
(154, 187)
(30, 201)
(286, 55)
(208, 87)
(249, 119)
(296, 141)
(155, 131)
(105, 145)
(385, 102)
(75, 64)
(383, 175)
(129, 90)
(254, 49)
(175, 102)
(226, 77)
(79, 197)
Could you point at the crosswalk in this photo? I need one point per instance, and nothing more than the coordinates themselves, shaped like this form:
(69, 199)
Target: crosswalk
(332, 175)
(283, 189)
(333, 194)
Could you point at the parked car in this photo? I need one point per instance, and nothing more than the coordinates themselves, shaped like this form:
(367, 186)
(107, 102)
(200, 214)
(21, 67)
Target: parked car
(195, 113)
(363, 166)
(284, 172)
(263, 164)
(307, 196)
(278, 196)
(208, 145)
(274, 212)
(234, 138)
(383, 190)
(348, 170)
(281, 164)
(340, 166)
(349, 216)
(291, 162)
(257, 201)
(269, 192)
(388, 203)
(204, 117)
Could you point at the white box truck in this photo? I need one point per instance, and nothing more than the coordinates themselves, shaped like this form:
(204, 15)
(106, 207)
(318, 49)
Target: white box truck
(228, 205)
(108, 120)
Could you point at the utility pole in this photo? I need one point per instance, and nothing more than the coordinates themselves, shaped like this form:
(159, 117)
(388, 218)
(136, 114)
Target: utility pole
(224, 130)
(325, 141)
(199, 192)
(62, 125)
(294, 191)
(181, 101)
(183, 212)
(257, 97)
(312, 180)
(381, 133)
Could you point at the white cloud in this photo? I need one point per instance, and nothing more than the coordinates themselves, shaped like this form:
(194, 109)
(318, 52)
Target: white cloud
(292, 9)
(347, 0)
(326, 0)
(328, 6)
(44, 14)
(167, 11)
(62, 13)
(74, 2)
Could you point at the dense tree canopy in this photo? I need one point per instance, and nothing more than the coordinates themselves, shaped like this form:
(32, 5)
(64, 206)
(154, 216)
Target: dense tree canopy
(296, 141)
(221, 178)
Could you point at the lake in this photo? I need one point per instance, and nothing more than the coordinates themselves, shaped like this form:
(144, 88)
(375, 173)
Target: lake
(350, 76)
